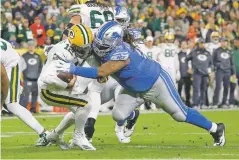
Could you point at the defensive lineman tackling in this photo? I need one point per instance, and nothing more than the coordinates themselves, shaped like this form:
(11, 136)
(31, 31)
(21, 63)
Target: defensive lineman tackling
(141, 78)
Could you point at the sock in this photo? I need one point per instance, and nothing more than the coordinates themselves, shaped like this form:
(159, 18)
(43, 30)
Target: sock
(213, 129)
(197, 119)
(24, 115)
(81, 116)
(121, 123)
(67, 121)
(131, 116)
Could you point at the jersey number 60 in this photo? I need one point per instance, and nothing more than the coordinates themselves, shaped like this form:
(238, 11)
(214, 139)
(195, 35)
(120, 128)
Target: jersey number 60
(100, 18)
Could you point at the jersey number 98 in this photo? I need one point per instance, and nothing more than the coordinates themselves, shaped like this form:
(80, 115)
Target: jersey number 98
(97, 18)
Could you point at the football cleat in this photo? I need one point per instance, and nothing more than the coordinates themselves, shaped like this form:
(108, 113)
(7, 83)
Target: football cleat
(80, 140)
(42, 141)
(219, 135)
(55, 138)
(129, 129)
(119, 131)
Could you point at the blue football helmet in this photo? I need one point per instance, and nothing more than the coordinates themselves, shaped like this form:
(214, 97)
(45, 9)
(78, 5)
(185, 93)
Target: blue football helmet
(108, 36)
(122, 16)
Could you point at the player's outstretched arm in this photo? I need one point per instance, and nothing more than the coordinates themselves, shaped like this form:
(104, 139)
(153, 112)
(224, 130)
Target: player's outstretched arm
(4, 84)
(104, 70)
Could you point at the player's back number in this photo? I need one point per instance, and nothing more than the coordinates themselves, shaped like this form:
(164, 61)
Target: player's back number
(97, 18)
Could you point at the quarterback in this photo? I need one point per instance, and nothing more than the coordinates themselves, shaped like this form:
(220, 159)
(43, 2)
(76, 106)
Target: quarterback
(61, 90)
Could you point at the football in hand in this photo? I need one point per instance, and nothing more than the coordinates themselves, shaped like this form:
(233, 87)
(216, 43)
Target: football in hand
(66, 77)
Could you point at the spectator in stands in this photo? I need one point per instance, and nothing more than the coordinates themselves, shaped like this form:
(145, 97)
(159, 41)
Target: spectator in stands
(9, 28)
(24, 33)
(38, 31)
(19, 8)
(182, 21)
(30, 74)
(53, 9)
(43, 15)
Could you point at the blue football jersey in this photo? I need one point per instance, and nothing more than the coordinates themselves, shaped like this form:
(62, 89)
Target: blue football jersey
(140, 74)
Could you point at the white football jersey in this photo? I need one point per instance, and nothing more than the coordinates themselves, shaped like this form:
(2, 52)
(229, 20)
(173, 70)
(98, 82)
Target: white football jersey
(168, 58)
(152, 53)
(9, 56)
(48, 78)
(94, 15)
(211, 47)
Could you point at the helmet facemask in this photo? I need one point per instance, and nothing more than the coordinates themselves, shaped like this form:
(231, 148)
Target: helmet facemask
(82, 52)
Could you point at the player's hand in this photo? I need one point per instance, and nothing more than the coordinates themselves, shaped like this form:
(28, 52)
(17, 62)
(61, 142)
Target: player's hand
(102, 79)
(65, 67)
(190, 71)
(72, 82)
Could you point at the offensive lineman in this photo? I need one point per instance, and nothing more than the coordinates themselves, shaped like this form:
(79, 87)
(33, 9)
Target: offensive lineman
(11, 62)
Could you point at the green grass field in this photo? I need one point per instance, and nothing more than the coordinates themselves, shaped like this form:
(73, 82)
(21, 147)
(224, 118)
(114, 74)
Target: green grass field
(156, 136)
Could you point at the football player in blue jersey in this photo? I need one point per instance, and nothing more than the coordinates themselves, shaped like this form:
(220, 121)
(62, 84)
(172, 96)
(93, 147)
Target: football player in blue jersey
(141, 79)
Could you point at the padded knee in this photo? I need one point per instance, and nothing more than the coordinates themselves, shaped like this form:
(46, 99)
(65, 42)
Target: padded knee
(90, 127)
(118, 115)
(180, 116)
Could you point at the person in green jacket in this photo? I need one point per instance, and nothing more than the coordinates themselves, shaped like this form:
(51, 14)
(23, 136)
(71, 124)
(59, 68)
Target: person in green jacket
(234, 82)
(24, 33)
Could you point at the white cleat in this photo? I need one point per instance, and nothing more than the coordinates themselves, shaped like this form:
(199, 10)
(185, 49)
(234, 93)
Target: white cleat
(119, 131)
(42, 141)
(57, 139)
(81, 141)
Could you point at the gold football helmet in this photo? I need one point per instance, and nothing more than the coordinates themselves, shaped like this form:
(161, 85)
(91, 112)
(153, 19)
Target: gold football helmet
(80, 37)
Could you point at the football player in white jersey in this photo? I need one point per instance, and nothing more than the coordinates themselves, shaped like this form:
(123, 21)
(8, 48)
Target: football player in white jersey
(211, 47)
(149, 49)
(91, 13)
(168, 56)
(10, 60)
(59, 90)
(214, 44)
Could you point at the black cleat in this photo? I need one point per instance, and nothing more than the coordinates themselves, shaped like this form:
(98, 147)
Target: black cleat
(129, 128)
(219, 135)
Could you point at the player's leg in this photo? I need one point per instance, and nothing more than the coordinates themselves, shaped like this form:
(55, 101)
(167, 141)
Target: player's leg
(94, 90)
(12, 103)
(80, 105)
(165, 92)
(124, 109)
